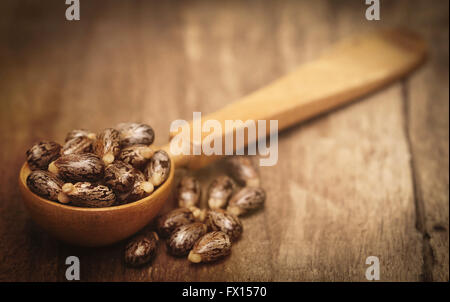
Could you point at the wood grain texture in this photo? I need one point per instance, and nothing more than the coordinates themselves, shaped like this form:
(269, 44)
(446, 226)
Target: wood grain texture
(344, 187)
(427, 96)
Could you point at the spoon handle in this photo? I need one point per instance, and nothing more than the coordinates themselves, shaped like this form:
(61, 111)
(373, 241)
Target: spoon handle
(351, 69)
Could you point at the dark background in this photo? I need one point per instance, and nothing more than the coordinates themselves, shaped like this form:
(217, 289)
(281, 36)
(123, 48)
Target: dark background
(368, 179)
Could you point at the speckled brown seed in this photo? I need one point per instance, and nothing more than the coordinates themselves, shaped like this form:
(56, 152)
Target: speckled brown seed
(220, 220)
(243, 171)
(158, 169)
(135, 133)
(77, 145)
(120, 176)
(246, 200)
(140, 189)
(170, 221)
(78, 167)
(136, 155)
(40, 155)
(184, 237)
(85, 194)
(80, 133)
(220, 191)
(188, 192)
(211, 247)
(141, 249)
(107, 145)
(44, 184)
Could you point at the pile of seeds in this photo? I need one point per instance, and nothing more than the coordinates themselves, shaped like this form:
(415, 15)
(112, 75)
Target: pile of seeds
(203, 235)
(113, 167)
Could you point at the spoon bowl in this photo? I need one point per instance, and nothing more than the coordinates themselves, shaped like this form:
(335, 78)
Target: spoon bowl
(93, 226)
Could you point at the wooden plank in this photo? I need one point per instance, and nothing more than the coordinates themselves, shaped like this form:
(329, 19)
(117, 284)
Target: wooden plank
(341, 204)
(27, 109)
(349, 192)
(428, 109)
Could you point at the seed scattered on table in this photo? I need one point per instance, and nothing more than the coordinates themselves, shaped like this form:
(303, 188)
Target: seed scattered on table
(188, 192)
(220, 220)
(220, 191)
(246, 200)
(168, 222)
(184, 237)
(141, 249)
(211, 247)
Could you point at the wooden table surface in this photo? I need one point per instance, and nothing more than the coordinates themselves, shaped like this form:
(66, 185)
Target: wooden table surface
(370, 179)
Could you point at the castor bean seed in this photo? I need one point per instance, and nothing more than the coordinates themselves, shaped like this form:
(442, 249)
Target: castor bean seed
(141, 249)
(220, 191)
(184, 237)
(136, 155)
(188, 192)
(80, 133)
(158, 168)
(77, 145)
(44, 184)
(220, 220)
(120, 176)
(107, 145)
(86, 194)
(78, 167)
(168, 222)
(210, 247)
(246, 200)
(243, 171)
(40, 155)
(135, 134)
(140, 189)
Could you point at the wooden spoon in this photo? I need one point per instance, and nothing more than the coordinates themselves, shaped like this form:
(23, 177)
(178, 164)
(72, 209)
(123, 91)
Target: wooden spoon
(351, 69)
